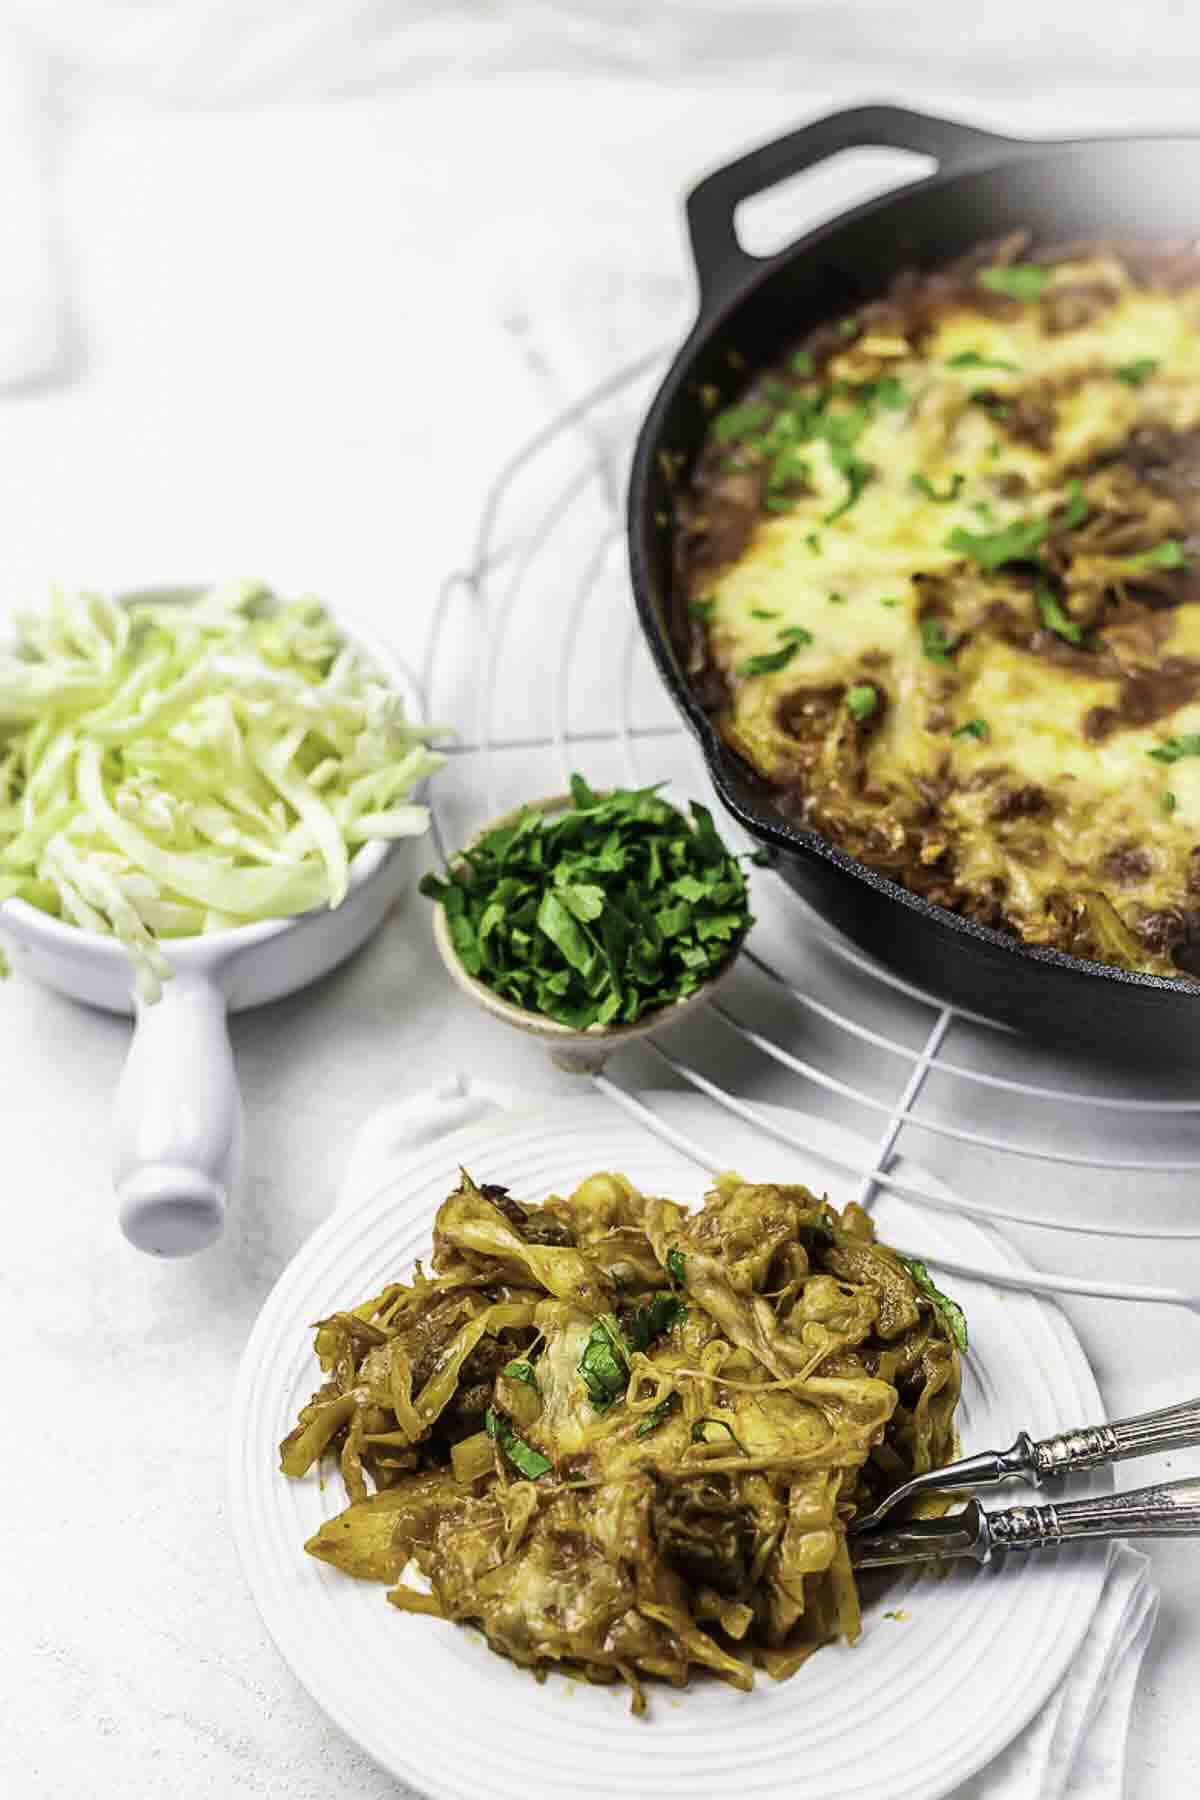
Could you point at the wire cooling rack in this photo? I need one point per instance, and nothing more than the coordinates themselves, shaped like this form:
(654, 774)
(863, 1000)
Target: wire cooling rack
(537, 661)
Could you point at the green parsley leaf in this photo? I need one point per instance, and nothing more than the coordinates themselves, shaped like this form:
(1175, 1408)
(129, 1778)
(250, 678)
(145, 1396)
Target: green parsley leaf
(803, 363)
(698, 1436)
(1077, 509)
(1055, 618)
(770, 662)
(702, 609)
(890, 600)
(972, 359)
(1169, 802)
(656, 1416)
(837, 599)
(985, 509)
(1134, 373)
(992, 549)
(676, 1266)
(949, 1311)
(848, 328)
(604, 1373)
(814, 543)
(923, 485)
(890, 392)
(523, 1457)
(1176, 748)
(993, 405)
(1019, 281)
(760, 612)
(520, 1370)
(796, 634)
(856, 474)
(653, 1320)
(974, 728)
(738, 422)
(934, 642)
(778, 503)
(862, 701)
(1167, 555)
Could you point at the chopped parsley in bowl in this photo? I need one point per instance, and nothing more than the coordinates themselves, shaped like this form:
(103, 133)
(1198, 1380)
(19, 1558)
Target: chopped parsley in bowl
(592, 912)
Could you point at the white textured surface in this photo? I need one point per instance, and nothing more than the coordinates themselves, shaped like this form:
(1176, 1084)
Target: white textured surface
(305, 339)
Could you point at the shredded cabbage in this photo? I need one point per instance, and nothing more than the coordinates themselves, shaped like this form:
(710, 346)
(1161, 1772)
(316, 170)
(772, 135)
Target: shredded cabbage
(174, 767)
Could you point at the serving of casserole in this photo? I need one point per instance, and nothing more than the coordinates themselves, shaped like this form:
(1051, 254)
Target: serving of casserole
(941, 591)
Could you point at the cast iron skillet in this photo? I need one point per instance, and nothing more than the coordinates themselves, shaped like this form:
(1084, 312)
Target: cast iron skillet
(751, 310)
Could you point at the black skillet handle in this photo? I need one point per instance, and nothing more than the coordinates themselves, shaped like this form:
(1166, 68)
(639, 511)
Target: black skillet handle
(722, 264)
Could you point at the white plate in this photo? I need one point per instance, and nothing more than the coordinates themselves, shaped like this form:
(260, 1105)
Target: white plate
(919, 1705)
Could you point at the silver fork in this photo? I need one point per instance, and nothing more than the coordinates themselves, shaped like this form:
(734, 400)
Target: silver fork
(1036, 1460)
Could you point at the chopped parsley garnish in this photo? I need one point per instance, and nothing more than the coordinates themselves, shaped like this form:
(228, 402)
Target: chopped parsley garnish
(992, 549)
(1169, 802)
(1054, 618)
(973, 728)
(890, 600)
(1077, 510)
(848, 328)
(995, 451)
(934, 642)
(890, 392)
(738, 422)
(985, 509)
(1134, 373)
(702, 609)
(837, 599)
(973, 359)
(605, 910)
(949, 1311)
(803, 363)
(520, 1370)
(604, 1365)
(760, 612)
(951, 491)
(676, 1266)
(604, 1371)
(856, 473)
(653, 1320)
(1167, 555)
(698, 1436)
(1019, 281)
(778, 503)
(656, 1416)
(770, 661)
(796, 634)
(861, 701)
(814, 543)
(1176, 748)
(523, 1457)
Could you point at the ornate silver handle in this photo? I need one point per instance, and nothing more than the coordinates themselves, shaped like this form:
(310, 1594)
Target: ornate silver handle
(1172, 1428)
(1171, 1510)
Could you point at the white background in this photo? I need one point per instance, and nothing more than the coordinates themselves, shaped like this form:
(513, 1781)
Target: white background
(299, 338)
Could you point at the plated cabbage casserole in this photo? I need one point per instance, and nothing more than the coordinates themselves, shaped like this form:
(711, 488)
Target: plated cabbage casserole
(626, 1439)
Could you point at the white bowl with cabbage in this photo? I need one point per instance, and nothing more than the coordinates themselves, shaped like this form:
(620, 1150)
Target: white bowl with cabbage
(206, 802)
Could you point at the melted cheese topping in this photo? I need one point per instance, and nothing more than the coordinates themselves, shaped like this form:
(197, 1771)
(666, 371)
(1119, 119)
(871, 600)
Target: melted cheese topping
(852, 583)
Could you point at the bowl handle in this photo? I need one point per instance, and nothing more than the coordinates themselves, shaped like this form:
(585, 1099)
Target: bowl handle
(178, 1123)
(721, 262)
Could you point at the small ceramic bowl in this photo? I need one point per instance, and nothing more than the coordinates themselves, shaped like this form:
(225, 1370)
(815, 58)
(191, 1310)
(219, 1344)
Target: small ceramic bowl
(177, 1129)
(578, 1052)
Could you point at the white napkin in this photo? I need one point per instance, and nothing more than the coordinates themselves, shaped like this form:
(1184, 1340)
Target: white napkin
(1075, 1748)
